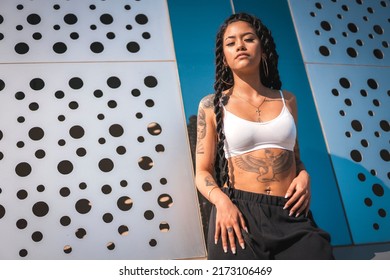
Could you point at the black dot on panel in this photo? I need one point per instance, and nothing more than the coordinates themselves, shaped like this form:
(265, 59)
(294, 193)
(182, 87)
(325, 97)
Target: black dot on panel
(123, 230)
(153, 242)
(136, 92)
(97, 47)
(116, 130)
(65, 167)
(150, 81)
(110, 246)
(65, 192)
(67, 249)
(98, 93)
(145, 163)
(76, 132)
(23, 253)
(378, 190)
(127, 7)
(37, 36)
(22, 194)
(74, 35)
(65, 221)
(33, 19)
(324, 51)
(149, 215)
(141, 19)
(59, 94)
(114, 82)
(106, 165)
(33, 106)
(121, 150)
(70, 19)
(21, 119)
(133, 47)
(112, 104)
(76, 83)
(356, 156)
(83, 206)
(20, 144)
(146, 35)
(146, 187)
(326, 25)
(36, 133)
(56, 7)
(37, 236)
(111, 35)
(19, 95)
(108, 217)
(40, 209)
(23, 169)
(81, 152)
(80, 233)
(40, 154)
(60, 48)
(106, 19)
(37, 84)
(106, 189)
(21, 224)
(19, 7)
(385, 155)
(124, 203)
(56, 27)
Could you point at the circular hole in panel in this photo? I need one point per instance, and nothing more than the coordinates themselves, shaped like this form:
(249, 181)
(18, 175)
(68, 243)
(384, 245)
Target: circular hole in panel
(37, 236)
(342, 113)
(378, 29)
(163, 181)
(22, 194)
(74, 35)
(159, 148)
(146, 187)
(33, 106)
(106, 189)
(123, 230)
(21, 119)
(40, 154)
(114, 82)
(149, 215)
(110, 246)
(70, 19)
(145, 163)
(382, 213)
(364, 143)
(370, 10)
(106, 19)
(65, 191)
(125, 203)
(363, 93)
(348, 102)
(141, 139)
(146, 35)
(40, 188)
(76, 132)
(60, 47)
(110, 35)
(375, 226)
(21, 223)
(368, 202)
(33, 19)
(373, 172)
(98, 93)
(153, 242)
(165, 200)
(80, 233)
(40, 209)
(324, 51)
(100, 116)
(116, 130)
(345, 8)
(65, 167)
(326, 25)
(378, 190)
(376, 102)
(65, 221)
(23, 169)
(312, 14)
(83, 206)
(76, 83)
(332, 41)
(361, 177)
(121, 150)
(385, 155)
(352, 27)
(106, 165)
(20, 144)
(352, 52)
(108, 218)
(23, 253)
(123, 183)
(61, 118)
(378, 54)
(97, 47)
(344, 82)
(154, 129)
(149, 103)
(356, 125)
(136, 92)
(164, 227)
(102, 140)
(372, 83)
(21, 48)
(141, 19)
(370, 113)
(384, 125)
(81, 152)
(82, 186)
(67, 249)
(318, 5)
(359, 42)
(356, 155)
(150, 81)
(133, 47)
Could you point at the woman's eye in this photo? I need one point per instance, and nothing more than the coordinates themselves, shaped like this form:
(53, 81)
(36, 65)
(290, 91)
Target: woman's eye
(249, 39)
(230, 44)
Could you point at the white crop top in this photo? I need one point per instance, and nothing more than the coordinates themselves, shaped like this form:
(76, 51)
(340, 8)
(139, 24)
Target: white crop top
(243, 136)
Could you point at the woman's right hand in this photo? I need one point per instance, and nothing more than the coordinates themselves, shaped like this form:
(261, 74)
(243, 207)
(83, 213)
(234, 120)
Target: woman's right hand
(229, 222)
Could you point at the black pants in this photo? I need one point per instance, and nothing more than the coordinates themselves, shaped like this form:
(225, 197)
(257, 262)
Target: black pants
(273, 234)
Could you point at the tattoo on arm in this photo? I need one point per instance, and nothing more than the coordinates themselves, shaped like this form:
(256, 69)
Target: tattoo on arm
(201, 131)
(267, 167)
(209, 181)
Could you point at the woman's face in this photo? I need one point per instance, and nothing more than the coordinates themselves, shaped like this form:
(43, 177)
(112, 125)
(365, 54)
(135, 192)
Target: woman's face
(241, 47)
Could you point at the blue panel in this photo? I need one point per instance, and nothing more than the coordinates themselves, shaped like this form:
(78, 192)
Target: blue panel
(326, 203)
(194, 27)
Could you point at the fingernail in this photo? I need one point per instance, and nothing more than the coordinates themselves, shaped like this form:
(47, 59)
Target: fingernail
(297, 215)
(242, 245)
(286, 196)
(215, 241)
(291, 213)
(225, 249)
(285, 207)
(234, 250)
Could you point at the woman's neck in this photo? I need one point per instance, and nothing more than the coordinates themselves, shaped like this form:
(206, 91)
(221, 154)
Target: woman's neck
(248, 85)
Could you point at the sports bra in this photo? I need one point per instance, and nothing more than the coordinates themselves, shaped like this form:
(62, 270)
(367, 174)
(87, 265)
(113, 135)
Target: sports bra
(243, 136)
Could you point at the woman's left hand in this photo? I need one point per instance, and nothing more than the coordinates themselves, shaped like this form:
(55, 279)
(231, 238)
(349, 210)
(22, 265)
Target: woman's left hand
(299, 194)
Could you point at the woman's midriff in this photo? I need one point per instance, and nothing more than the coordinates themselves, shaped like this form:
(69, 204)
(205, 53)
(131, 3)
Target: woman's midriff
(267, 171)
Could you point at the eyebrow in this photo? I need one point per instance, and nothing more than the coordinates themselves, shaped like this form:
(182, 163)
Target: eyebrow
(244, 34)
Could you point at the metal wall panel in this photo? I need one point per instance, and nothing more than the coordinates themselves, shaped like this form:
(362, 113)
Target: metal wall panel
(94, 155)
(345, 49)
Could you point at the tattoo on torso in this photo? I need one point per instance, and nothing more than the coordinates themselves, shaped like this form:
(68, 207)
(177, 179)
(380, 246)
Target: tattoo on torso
(267, 167)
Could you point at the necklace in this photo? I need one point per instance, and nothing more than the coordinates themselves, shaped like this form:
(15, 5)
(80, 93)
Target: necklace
(258, 111)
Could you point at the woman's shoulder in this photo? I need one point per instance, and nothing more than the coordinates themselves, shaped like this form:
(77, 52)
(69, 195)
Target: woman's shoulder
(207, 101)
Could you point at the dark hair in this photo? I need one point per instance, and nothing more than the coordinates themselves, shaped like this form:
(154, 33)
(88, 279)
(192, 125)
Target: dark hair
(224, 80)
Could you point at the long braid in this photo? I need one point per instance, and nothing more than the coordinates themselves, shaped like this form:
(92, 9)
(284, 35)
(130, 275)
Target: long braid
(224, 80)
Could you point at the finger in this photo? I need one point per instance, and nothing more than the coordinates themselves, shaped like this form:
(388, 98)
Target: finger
(298, 203)
(302, 208)
(232, 240)
(238, 232)
(224, 239)
(217, 233)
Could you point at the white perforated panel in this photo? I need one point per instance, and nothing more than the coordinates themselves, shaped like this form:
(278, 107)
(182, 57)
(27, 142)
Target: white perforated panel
(94, 156)
(345, 45)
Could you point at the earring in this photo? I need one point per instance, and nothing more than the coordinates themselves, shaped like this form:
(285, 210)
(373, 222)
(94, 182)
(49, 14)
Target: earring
(265, 66)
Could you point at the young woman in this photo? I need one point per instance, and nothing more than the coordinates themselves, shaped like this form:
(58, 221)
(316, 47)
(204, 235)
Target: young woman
(247, 156)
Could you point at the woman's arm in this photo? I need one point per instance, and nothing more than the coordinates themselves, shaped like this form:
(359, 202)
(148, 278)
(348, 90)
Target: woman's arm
(299, 193)
(228, 216)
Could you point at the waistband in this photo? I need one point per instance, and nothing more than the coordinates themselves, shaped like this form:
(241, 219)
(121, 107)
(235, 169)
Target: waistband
(257, 197)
